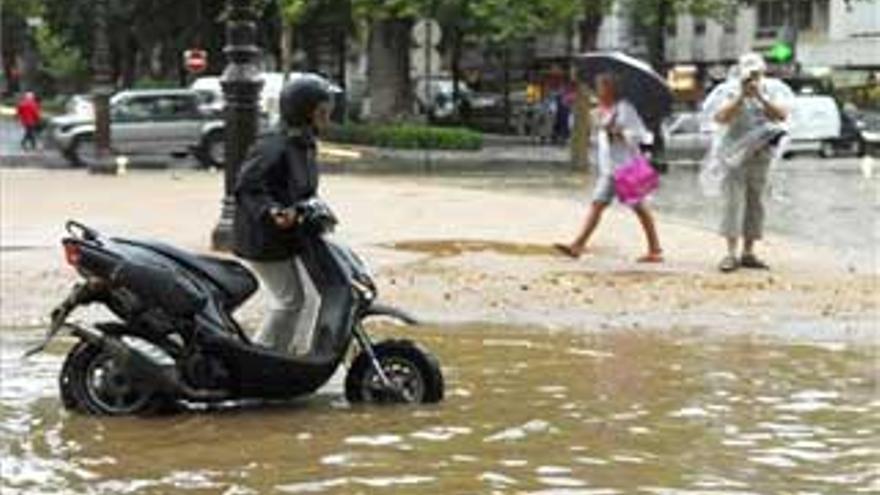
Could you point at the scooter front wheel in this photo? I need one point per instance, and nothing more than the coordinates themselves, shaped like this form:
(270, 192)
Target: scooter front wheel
(413, 372)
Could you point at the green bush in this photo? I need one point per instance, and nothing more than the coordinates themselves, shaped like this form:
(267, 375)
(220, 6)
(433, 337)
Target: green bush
(150, 83)
(407, 136)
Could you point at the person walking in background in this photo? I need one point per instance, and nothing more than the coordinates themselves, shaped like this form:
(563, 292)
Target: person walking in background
(749, 113)
(617, 136)
(28, 111)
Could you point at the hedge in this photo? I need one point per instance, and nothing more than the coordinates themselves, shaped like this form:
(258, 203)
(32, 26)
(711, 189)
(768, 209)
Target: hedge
(406, 136)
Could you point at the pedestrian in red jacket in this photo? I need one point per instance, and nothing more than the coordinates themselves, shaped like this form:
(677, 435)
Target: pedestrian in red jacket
(29, 117)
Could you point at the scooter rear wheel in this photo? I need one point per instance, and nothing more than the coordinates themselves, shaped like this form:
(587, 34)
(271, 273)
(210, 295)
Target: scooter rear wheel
(415, 372)
(93, 381)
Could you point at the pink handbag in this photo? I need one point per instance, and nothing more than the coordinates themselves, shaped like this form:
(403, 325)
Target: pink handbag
(635, 180)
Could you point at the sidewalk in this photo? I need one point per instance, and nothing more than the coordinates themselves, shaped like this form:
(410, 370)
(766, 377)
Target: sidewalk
(450, 255)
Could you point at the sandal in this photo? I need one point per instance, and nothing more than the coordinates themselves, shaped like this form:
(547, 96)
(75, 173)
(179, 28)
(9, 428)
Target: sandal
(728, 264)
(651, 258)
(567, 251)
(753, 262)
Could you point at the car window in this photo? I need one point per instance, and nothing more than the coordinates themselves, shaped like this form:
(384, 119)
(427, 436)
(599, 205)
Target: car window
(136, 108)
(175, 107)
(688, 124)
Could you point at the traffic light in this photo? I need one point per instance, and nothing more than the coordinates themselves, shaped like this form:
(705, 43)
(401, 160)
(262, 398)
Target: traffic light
(780, 52)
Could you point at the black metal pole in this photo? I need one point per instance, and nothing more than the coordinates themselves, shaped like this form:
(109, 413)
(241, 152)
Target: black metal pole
(102, 88)
(241, 87)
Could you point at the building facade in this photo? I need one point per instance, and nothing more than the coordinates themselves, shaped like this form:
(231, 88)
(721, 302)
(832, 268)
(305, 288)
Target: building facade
(833, 34)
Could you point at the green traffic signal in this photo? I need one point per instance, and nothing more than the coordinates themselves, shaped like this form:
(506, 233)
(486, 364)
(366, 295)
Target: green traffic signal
(780, 52)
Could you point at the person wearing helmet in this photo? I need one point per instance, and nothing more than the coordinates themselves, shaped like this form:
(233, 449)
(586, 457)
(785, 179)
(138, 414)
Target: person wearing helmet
(280, 171)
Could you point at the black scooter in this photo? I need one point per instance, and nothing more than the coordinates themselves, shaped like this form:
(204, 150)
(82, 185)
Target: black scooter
(176, 340)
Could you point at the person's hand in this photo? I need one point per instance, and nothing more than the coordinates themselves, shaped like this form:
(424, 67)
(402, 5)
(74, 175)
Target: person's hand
(284, 218)
(750, 88)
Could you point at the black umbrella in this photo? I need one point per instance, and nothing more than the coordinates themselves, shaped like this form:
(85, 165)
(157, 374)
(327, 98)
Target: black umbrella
(638, 83)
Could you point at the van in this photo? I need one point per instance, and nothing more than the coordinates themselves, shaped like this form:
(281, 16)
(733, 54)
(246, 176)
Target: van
(815, 125)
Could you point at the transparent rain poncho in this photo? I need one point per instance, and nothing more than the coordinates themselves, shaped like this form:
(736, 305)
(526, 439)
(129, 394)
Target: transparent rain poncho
(750, 132)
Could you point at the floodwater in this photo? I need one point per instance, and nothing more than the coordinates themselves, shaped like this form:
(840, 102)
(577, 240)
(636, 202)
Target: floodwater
(527, 411)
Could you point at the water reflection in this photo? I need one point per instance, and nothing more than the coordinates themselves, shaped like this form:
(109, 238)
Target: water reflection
(527, 412)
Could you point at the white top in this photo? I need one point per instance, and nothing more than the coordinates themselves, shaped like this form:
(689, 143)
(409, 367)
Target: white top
(612, 154)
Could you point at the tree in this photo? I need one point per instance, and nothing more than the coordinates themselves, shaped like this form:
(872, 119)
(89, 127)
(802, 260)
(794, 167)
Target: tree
(498, 25)
(17, 40)
(389, 24)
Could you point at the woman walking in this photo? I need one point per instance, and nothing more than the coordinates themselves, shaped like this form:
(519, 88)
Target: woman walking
(616, 139)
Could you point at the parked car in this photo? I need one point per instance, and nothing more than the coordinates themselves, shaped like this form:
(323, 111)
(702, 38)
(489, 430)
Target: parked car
(867, 126)
(273, 83)
(145, 122)
(685, 138)
(818, 125)
(211, 100)
(79, 105)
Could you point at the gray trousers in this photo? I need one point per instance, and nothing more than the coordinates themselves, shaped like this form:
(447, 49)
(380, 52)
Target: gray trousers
(292, 306)
(742, 194)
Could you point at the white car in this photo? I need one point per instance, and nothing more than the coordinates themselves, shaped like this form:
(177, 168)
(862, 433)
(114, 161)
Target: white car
(815, 125)
(210, 94)
(273, 83)
(685, 138)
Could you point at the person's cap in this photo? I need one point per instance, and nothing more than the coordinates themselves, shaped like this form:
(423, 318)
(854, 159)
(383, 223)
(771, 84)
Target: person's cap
(751, 62)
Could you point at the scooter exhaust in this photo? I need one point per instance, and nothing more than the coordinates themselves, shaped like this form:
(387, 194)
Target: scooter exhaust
(148, 363)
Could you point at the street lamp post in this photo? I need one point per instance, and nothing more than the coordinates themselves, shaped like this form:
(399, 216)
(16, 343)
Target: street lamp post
(241, 87)
(102, 88)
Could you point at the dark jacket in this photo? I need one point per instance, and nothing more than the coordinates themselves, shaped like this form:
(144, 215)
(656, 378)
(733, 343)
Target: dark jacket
(279, 171)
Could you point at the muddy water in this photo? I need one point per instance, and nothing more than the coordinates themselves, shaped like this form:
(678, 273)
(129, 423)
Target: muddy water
(526, 412)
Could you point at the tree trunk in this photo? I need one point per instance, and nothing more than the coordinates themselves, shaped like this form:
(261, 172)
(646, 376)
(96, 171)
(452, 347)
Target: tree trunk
(286, 46)
(506, 69)
(457, 38)
(390, 91)
(580, 137)
(657, 47)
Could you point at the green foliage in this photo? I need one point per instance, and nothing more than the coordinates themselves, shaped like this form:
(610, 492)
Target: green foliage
(499, 21)
(60, 61)
(407, 136)
(293, 10)
(150, 83)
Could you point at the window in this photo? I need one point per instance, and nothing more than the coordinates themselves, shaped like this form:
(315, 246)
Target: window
(687, 125)
(672, 27)
(771, 14)
(175, 107)
(730, 20)
(699, 26)
(803, 15)
(135, 109)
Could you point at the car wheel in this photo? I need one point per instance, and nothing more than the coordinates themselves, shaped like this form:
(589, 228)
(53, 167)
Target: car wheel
(81, 151)
(212, 151)
(826, 150)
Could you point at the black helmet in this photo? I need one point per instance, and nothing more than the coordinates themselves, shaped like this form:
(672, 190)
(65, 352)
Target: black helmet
(300, 97)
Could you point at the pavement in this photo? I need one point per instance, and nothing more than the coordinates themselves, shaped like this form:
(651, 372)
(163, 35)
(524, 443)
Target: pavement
(452, 255)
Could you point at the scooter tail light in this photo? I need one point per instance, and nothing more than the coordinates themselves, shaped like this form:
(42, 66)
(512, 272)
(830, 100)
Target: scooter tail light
(72, 253)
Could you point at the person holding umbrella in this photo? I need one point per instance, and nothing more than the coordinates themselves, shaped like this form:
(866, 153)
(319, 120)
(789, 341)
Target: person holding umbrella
(617, 138)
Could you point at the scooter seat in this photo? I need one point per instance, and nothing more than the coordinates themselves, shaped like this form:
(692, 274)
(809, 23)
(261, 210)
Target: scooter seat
(235, 281)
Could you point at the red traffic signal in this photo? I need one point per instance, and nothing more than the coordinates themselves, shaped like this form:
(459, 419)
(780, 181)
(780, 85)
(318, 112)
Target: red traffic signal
(195, 60)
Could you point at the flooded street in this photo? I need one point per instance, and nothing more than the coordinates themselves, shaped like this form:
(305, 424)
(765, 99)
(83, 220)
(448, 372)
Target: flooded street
(527, 411)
